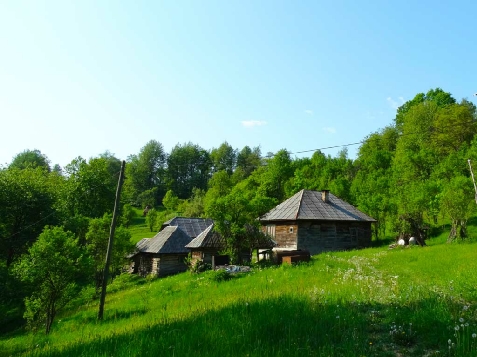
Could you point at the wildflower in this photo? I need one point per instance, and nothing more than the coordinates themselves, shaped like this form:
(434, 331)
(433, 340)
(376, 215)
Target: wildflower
(466, 307)
(474, 335)
(456, 327)
(461, 319)
(338, 316)
(466, 324)
(449, 341)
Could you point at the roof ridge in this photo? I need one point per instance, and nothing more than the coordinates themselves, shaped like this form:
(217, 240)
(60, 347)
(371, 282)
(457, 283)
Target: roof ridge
(299, 204)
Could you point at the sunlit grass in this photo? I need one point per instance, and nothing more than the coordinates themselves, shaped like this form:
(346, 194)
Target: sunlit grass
(373, 302)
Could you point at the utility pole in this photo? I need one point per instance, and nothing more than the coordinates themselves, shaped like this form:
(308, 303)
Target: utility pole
(473, 180)
(110, 243)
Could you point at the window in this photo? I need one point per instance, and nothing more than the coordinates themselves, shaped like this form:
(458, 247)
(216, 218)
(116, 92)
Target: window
(271, 230)
(290, 230)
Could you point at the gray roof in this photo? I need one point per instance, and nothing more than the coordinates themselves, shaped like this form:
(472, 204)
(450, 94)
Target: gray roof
(171, 239)
(207, 239)
(191, 226)
(308, 205)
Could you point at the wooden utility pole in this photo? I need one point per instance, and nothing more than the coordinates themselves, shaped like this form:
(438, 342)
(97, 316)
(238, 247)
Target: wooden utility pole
(110, 243)
(473, 180)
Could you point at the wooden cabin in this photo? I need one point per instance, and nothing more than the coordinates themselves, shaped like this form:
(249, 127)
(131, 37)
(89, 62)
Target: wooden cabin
(166, 252)
(317, 221)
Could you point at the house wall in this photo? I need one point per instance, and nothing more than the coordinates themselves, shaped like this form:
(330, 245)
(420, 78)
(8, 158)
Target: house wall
(322, 236)
(167, 264)
(203, 254)
(160, 264)
(285, 234)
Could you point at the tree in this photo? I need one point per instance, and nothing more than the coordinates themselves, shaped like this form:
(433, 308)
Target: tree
(188, 166)
(146, 171)
(170, 201)
(31, 159)
(248, 160)
(279, 170)
(195, 206)
(90, 187)
(57, 267)
(151, 219)
(437, 96)
(458, 203)
(224, 158)
(127, 214)
(97, 239)
(27, 196)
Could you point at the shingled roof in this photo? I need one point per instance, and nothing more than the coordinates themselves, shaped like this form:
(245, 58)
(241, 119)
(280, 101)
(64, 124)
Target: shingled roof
(191, 226)
(171, 239)
(207, 239)
(309, 205)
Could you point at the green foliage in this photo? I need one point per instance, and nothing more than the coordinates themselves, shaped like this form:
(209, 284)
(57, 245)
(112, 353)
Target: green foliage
(224, 158)
(56, 266)
(147, 198)
(26, 197)
(170, 201)
(220, 275)
(127, 215)
(97, 239)
(145, 172)
(188, 166)
(30, 159)
(151, 219)
(90, 188)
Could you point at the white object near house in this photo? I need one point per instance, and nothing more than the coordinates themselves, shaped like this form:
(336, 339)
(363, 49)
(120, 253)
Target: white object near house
(401, 242)
(412, 241)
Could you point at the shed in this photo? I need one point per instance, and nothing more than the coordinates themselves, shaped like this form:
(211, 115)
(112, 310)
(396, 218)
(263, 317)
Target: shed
(164, 254)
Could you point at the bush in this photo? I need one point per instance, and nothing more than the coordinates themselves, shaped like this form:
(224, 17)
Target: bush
(220, 275)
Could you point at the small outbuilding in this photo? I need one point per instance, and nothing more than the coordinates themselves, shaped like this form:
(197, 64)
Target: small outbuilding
(317, 221)
(164, 254)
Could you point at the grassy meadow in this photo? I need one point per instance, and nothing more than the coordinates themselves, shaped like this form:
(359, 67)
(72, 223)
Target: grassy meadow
(409, 301)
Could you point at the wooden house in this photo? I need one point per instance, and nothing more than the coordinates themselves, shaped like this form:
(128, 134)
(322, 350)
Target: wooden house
(317, 222)
(165, 253)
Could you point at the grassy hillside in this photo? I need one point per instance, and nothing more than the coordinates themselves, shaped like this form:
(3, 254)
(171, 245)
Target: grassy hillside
(373, 302)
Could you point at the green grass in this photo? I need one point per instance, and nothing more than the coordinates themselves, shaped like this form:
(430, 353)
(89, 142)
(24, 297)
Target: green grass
(374, 302)
(138, 228)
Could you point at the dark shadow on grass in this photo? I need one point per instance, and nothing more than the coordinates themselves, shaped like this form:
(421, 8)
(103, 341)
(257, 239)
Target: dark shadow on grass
(279, 326)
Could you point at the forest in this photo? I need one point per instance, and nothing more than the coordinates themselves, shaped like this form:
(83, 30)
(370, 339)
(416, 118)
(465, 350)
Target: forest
(414, 174)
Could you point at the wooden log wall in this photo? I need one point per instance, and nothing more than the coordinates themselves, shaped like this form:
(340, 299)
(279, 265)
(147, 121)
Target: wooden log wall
(168, 264)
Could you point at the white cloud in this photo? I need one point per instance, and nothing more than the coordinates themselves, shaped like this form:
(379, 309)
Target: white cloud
(309, 112)
(252, 123)
(329, 129)
(395, 103)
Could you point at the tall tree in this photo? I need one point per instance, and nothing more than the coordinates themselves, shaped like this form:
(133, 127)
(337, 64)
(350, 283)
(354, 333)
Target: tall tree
(248, 160)
(188, 166)
(224, 158)
(32, 159)
(146, 171)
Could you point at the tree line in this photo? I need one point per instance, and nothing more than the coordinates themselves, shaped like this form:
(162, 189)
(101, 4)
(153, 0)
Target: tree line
(411, 174)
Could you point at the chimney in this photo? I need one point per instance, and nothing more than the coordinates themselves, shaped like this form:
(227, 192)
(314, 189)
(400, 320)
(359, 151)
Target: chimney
(325, 195)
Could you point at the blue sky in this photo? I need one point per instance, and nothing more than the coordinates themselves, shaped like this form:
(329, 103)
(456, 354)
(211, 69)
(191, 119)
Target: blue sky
(79, 78)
